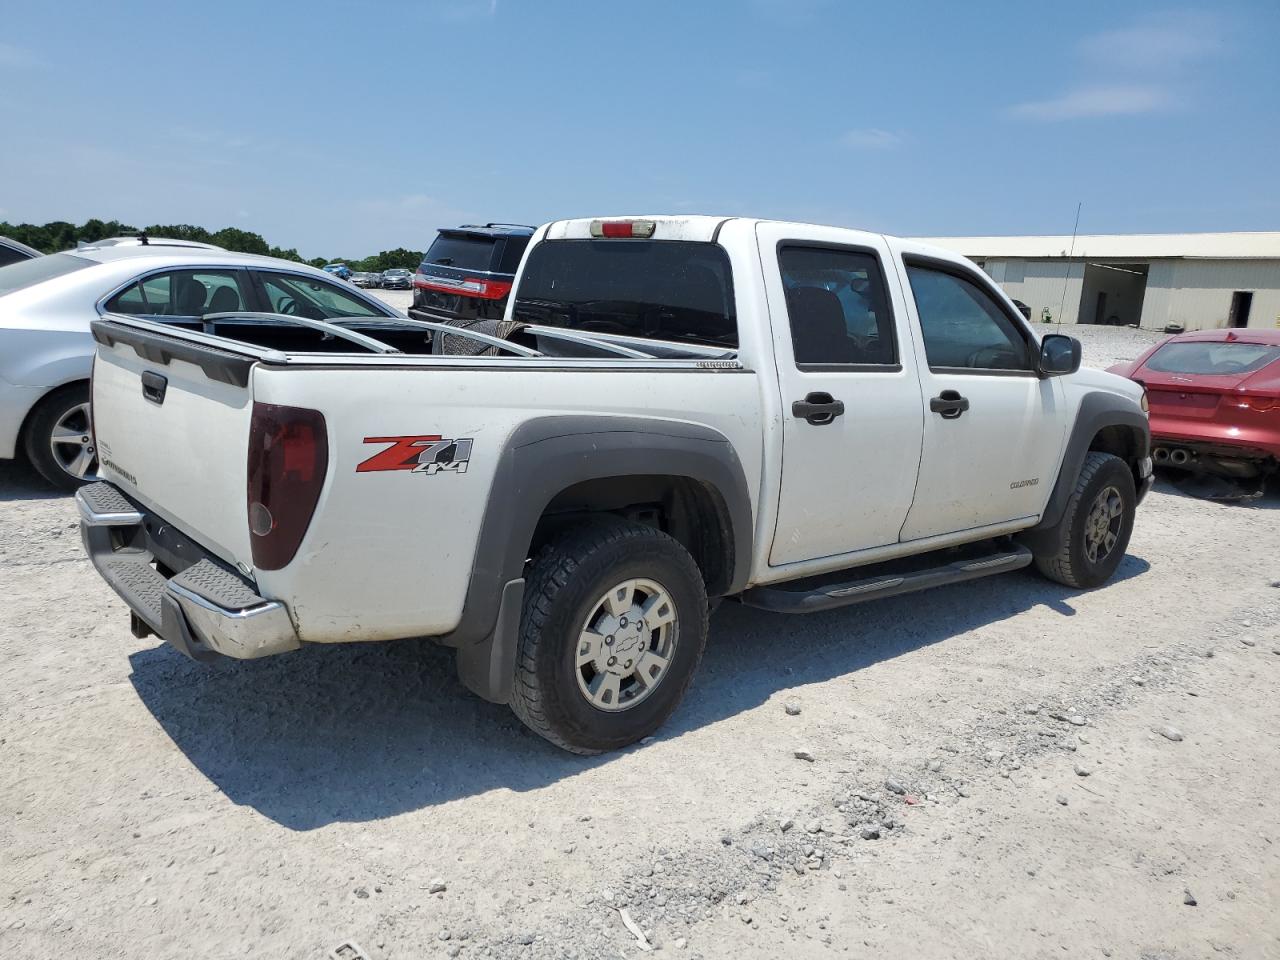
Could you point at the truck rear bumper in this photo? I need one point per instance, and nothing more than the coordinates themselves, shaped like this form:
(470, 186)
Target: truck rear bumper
(204, 609)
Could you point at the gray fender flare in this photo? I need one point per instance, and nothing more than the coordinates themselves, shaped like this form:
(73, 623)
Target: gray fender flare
(1098, 410)
(545, 457)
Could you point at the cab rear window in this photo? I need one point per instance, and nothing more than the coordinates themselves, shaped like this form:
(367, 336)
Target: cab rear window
(27, 273)
(658, 289)
(1212, 357)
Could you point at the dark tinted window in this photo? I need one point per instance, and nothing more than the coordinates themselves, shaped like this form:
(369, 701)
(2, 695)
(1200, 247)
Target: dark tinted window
(660, 289)
(837, 306)
(8, 255)
(511, 254)
(463, 252)
(963, 326)
(25, 273)
(1212, 357)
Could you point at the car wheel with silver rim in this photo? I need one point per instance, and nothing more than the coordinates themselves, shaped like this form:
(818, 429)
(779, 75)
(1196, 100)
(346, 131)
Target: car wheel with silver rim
(59, 438)
(626, 644)
(613, 626)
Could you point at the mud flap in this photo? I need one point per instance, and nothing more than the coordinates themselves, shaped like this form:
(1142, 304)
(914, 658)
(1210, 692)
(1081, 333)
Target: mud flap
(488, 668)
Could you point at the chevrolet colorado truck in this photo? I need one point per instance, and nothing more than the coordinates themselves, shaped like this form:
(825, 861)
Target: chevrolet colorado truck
(674, 410)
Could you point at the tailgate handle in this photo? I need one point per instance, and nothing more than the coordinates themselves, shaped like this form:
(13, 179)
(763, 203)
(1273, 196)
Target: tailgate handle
(154, 386)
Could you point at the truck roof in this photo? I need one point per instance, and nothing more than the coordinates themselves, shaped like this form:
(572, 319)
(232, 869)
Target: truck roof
(707, 228)
(696, 228)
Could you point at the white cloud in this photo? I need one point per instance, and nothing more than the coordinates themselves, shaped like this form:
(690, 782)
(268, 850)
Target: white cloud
(870, 138)
(1141, 68)
(1101, 101)
(1166, 44)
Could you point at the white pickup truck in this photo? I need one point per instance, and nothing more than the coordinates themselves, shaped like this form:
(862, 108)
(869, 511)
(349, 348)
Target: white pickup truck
(674, 410)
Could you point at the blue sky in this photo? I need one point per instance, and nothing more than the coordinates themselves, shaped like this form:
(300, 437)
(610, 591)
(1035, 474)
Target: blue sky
(346, 128)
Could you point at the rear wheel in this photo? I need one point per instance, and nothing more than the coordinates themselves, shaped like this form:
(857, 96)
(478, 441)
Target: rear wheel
(613, 628)
(1095, 527)
(59, 441)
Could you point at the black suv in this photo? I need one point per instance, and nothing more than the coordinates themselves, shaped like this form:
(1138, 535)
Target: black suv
(468, 272)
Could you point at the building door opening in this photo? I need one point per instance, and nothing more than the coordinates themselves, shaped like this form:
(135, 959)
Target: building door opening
(1241, 301)
(1113, 293)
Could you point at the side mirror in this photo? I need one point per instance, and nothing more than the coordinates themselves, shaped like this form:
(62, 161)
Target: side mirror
(1059, 354)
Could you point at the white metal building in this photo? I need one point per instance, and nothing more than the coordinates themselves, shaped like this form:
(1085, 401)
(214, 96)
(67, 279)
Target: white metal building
(1197, 281)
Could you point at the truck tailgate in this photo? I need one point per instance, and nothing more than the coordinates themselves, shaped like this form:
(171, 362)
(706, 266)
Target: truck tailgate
(172, 418)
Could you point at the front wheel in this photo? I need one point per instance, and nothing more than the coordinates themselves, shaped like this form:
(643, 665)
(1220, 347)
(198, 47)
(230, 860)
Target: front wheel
(1095, 527)
(59, 439)
(613, 628)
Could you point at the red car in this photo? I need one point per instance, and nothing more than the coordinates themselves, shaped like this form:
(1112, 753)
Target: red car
(1215, 401)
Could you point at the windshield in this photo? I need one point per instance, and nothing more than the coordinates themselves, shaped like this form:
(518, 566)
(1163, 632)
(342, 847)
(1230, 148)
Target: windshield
(27, 273)
(659, 289)
(1212, 357)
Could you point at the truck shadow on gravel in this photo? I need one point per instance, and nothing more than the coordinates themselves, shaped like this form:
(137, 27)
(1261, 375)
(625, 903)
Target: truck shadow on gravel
(361, 732)
(19, 481)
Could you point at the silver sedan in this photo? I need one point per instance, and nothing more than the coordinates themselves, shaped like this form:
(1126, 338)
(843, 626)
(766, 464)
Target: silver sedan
(47, 304)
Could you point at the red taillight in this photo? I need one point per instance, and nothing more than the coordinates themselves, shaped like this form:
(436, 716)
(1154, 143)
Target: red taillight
(288, 459)
(1261, 404)
(623, 229)
(470, 287)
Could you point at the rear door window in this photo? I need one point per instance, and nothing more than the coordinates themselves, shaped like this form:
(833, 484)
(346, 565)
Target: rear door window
(837, 307)
(680, 291)
(182, 293)
(462, 252)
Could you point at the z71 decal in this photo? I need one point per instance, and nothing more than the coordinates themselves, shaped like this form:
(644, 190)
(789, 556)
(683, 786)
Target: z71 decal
(426, 454)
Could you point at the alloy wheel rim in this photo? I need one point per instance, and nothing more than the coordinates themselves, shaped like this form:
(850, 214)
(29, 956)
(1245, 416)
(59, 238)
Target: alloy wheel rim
(71, 443)
(1102, 525)
(626, 645)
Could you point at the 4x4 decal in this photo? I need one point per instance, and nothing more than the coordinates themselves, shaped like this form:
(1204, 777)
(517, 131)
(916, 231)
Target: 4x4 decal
(429, 454)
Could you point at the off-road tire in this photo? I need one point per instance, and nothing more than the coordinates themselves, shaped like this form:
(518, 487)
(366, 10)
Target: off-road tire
(39, 427)
(1069, 565)
(568, 576)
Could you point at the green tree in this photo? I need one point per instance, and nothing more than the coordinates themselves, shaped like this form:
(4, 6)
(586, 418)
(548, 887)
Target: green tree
(179, 231)
(242, 241)
(58, 235)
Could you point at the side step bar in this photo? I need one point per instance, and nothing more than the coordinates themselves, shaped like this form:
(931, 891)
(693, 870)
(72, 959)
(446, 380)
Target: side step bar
(796, 597)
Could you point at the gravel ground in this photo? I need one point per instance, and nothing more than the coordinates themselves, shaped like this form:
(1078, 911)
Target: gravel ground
(400, 299)
(1006, 768)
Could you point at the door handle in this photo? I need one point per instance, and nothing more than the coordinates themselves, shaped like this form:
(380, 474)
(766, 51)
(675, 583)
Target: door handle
(817, 408)
(950, 404)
